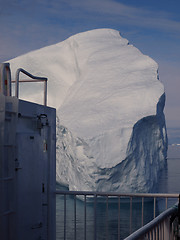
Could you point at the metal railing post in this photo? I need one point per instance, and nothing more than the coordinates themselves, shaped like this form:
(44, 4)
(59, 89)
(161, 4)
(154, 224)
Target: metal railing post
(130, 228)
(119, 205)
(64, 216)
(154, 207)
(5, 79)
(107, 217)
(95, 209)
(84, 217)
(74, 217)
(142, 209)
(45, 92)
(17, 83)
(179, 210)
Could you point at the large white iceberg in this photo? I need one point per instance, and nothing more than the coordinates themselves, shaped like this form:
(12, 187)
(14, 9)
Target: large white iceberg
(111, 133)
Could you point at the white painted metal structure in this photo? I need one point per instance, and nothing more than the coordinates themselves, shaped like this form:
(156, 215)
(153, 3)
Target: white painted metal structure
(27, 167)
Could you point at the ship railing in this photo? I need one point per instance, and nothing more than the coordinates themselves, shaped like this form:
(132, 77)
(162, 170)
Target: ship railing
(5, 81)
(165, 226)
(33, 79)
(94, 197)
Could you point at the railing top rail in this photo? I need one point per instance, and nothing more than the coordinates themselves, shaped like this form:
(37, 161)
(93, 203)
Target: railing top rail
(112, 194)
(149, 226)
(29, 74)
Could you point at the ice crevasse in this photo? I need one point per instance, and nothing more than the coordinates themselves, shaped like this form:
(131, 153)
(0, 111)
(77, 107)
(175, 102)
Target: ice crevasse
(111, 131)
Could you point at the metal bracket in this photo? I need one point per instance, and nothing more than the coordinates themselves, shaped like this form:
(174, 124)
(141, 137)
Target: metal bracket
(38, 225)
(17, 165)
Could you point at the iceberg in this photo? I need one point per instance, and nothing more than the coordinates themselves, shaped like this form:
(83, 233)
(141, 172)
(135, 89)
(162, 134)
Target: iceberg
(111, 130)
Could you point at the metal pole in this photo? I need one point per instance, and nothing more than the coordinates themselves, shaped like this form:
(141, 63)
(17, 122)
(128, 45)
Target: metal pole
(107, 217)
(45, 93)
(74, 217)
(84, 217)
(179, 210)
(119, 218)
(17, 83)
(154, 207)
(130, 215)
(8, 80)
(142, 216)
(95, 203)
(64, 217)
(166, 202)
(5, 79)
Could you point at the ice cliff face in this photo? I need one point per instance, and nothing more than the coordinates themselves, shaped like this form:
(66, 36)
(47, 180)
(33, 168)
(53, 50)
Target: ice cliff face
(111, 133)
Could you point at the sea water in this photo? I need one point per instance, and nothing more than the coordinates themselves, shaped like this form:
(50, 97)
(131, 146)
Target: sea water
(107, 218)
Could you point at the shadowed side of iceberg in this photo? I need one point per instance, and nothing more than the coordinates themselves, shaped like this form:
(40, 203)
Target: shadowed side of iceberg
(145, 157)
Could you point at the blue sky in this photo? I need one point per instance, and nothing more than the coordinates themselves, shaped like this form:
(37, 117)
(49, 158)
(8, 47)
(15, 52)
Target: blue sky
(153, 26)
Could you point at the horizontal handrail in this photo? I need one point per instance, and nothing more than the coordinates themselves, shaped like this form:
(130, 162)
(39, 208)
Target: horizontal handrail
(114, 194)
(154, 223)
(35, 79)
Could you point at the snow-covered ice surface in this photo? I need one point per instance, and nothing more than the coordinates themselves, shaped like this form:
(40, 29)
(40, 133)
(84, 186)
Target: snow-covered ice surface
(111, 133)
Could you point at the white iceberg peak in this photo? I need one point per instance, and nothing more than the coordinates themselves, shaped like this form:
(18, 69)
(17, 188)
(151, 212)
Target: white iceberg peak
(110, 101)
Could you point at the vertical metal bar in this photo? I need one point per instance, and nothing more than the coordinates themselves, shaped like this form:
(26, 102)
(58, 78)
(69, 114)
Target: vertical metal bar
(65, 217)
(84, 217)
(151, 235)
(170, 231)
(17, 83)
(5, 79)
(74, 217)
(163, 230)
(45, 93)
(2, 74)
(95, 206)
(160, 230)
(154, 232)
(157, 229)
(107, 217)
(119, 218)
(166, 202)
(130, 230)
(142, 216)
(179, 210)
(154, 207)
(8, 79)
(1, 78)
